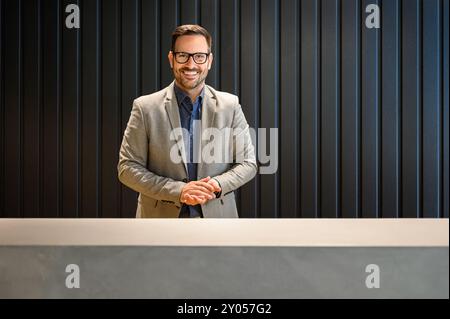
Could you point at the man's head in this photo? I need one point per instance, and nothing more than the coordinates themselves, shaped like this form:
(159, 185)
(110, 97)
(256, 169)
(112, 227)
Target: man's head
(190, 57)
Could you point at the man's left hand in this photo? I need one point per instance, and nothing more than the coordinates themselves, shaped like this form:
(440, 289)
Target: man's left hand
(215, 184)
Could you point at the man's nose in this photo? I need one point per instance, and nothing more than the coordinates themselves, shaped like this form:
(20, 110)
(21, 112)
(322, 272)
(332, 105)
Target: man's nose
(190, 62)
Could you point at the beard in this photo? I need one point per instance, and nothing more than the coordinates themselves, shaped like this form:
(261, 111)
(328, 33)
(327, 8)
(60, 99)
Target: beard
(190, 84)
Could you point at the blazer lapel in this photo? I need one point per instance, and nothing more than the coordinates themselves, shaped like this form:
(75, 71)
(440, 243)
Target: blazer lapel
(208, 113)
(173, 112)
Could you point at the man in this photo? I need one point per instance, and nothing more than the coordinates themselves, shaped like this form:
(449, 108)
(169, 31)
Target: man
(185, 188)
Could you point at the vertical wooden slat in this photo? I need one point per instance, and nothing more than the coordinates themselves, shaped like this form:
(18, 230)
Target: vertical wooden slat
(150, 47)
(411, 108)
(310, 108)
(445, 107)
(188, 12)
(138, 46)
(390, 110)
(269, 99)
(98, 108)
(79, 119)
(370, 116)
(90, 94)
(109, 112)
(289, 130)
(130, 85)
(13, 108)
(39, 102)
(2, 118)
(249, 97)
(50, 122)
(230, 63)
(20, 105)
(79, 112)
(59, 108)
(30, 109)
(330, 110)
(211, 21)
(351, 95)
(168, 20)
(432, 64)
(70, 112)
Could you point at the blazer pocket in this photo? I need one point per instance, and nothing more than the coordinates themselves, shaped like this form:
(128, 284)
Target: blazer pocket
(147, 201)
(227, 197)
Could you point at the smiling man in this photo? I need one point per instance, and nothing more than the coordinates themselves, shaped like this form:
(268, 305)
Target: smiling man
(186, 188)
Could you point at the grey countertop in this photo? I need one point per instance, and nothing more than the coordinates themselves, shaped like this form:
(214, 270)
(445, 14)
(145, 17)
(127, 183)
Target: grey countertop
(226, 232)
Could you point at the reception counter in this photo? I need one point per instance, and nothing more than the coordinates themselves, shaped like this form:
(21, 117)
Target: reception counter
(224, 258)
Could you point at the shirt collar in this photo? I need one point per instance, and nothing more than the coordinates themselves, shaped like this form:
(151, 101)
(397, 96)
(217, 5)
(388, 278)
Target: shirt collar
(181, 95)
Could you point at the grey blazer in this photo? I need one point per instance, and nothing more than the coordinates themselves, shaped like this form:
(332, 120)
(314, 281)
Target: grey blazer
(145, 164)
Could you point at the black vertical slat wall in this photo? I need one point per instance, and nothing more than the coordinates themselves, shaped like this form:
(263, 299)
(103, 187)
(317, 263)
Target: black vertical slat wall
(362, 114)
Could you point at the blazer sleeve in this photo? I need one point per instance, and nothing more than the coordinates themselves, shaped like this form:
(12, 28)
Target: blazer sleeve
(244, 166)
(132, 170)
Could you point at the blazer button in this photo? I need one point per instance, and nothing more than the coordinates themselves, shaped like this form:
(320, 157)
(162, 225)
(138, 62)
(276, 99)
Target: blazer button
(185, 180)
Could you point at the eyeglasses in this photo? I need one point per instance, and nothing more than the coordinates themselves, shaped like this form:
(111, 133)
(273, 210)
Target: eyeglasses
(198, 57)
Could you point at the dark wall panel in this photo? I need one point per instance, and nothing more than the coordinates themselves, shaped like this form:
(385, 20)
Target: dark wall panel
(445, 107)
(90, 94)
(289, 113)
(432, 108)
(51, 110)
(130, 77)
(249, 97)
(362, 114)
(269, 99)
(12, 78)
(110, 108)
(329, 205)
(390, 112)
(310, 108)
(2, 119)
(370, 119)
(411, 127)
(31, 109)
(70, 117)
(350, 148)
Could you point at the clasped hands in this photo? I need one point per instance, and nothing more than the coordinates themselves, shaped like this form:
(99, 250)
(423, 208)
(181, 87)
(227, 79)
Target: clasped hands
(199, 192)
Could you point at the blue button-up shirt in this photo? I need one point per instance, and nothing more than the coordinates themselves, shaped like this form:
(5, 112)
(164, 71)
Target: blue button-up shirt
(188, 113)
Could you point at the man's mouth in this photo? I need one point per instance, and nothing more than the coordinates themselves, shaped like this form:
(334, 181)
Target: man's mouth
(189, 74)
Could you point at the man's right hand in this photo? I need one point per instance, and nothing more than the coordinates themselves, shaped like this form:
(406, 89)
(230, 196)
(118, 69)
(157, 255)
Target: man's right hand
(197, 192)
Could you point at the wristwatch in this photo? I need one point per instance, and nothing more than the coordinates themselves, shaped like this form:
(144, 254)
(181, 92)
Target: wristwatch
(220, 192)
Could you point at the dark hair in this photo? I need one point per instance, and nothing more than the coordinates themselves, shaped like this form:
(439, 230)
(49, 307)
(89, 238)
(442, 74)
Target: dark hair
(191, 29)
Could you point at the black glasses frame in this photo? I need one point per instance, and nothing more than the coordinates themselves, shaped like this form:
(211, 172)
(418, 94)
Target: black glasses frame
(191, 55)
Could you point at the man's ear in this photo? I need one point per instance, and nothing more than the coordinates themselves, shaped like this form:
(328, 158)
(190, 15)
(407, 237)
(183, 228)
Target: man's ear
(210, 60)
(170, 57)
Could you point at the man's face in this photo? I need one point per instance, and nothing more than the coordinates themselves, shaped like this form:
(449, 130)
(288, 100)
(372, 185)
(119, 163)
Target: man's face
(190, 75)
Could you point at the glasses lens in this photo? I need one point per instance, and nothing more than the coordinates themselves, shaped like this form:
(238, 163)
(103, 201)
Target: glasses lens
(200, 58)
(181, 57)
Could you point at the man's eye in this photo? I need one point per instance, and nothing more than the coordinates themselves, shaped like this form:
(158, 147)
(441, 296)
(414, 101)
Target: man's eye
(182, 55)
